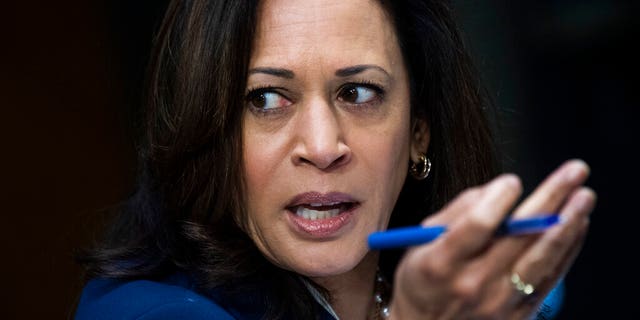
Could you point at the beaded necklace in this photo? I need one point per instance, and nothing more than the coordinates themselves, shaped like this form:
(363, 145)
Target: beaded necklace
(381, 297)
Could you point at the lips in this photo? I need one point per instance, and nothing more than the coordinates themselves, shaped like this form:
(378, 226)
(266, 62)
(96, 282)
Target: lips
(315, 205)
(321, 215)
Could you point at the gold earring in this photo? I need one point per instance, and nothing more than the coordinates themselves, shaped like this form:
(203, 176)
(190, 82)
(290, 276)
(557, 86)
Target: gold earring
(425, 165)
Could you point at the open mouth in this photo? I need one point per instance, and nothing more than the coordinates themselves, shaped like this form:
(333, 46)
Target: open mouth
(322, 215)
(317, 211)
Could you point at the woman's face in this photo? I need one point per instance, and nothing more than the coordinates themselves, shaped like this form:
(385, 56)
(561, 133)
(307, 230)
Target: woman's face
(326, 133)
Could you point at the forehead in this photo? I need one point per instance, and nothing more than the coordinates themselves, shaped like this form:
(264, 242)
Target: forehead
(328, 33)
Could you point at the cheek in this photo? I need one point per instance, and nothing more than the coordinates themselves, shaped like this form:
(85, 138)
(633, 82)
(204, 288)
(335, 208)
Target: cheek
(260, 159)
(253, 171)
(385, 161)
(265, 161)
(387, 151)
(256, 158)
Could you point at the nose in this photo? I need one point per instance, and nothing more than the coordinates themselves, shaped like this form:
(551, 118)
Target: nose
(320, 137)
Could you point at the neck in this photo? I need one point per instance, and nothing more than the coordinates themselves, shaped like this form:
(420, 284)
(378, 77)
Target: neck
(352, 292)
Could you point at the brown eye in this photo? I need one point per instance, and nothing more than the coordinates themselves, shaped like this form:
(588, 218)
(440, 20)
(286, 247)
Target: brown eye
(350, 94)
(266, 99)
(358, 94)
(258, 101)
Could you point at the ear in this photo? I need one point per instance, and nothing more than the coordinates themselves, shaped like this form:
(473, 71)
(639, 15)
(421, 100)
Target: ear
(420, 138)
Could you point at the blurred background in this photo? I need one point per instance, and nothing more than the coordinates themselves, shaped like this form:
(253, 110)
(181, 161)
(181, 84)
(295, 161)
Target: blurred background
(561, 74)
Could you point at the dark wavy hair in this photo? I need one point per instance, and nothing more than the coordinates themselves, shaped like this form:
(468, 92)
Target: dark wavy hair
(187, 213)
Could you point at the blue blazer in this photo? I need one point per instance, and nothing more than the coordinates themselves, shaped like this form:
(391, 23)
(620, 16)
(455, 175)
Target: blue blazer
(176, 297)
(171, 298)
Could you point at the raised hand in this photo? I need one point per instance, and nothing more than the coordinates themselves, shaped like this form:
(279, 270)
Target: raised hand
(467, 273)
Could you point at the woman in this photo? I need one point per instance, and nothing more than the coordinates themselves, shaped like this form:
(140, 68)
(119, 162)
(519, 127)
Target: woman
(280, 134)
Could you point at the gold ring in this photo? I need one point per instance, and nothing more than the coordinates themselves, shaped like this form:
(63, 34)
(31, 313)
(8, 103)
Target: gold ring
(522, 287)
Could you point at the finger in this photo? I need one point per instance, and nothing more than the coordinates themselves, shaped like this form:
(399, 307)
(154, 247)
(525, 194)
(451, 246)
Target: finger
(553, 254)
(457, 207)
(548, 254)
(466, 234)
(553, 191)
(525, 308)
(500, 259)
(499, 300)
(472, 231)
(547, 198)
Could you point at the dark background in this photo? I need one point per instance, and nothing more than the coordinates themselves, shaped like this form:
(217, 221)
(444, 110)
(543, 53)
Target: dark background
(561, 72)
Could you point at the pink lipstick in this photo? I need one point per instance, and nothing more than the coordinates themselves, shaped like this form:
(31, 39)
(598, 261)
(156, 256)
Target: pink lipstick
(321, 215)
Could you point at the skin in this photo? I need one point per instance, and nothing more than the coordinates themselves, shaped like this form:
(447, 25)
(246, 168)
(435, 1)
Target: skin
(314, 139)
(470, 278)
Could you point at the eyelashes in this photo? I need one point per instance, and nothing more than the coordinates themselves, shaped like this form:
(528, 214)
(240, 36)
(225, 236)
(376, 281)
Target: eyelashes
(267, 99)
(363, 94)
(353, 95)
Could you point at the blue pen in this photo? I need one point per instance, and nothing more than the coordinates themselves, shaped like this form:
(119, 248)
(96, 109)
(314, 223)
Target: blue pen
(409, 236)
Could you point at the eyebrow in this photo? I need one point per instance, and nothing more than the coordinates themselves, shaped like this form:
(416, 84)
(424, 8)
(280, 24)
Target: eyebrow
(343, 72)
(278, 72)
(349, 71)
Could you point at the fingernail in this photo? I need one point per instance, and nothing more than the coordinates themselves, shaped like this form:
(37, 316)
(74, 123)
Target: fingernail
(587, 199)
(578, 170)
(509, 180)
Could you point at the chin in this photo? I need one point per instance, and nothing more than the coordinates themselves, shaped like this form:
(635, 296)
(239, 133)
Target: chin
(329, 265)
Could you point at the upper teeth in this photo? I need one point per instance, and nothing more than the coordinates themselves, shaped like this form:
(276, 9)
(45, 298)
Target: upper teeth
(316, 214)
(323, 204)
